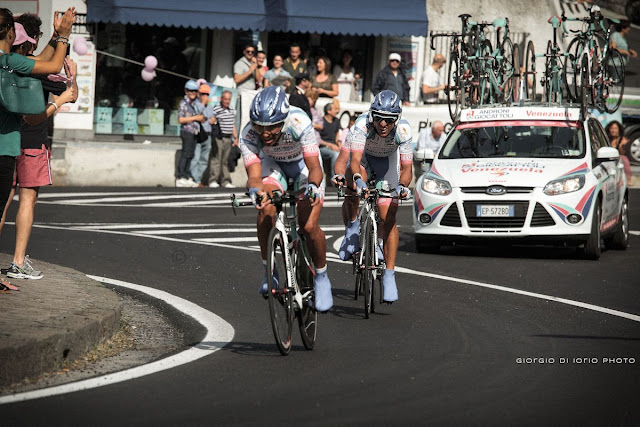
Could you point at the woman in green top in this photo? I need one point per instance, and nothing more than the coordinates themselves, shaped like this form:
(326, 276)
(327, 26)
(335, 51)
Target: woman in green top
(324, 83)
(10, 122)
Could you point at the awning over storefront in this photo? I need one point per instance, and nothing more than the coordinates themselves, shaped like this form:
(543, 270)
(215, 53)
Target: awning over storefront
(354, 17)
(223, 14)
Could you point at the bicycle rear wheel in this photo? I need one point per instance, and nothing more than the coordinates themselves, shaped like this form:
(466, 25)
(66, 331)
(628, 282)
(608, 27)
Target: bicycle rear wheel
(613, 84)
(279, 294)
(453, 88)
(307, 316)
(485, 88)
(369, 265)
(530, 72)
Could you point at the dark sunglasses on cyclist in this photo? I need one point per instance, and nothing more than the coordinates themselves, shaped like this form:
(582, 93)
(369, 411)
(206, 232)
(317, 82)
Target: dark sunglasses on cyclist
(387, 119)
(271, 128)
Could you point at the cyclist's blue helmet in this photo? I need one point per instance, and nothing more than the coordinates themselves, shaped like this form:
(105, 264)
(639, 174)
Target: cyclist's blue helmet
(386, 103)
(270, 106)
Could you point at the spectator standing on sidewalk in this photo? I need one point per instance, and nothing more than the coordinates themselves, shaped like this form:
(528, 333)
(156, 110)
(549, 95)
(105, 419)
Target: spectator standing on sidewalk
(346, 77)
(298, 97)
(615, 132)
(324, 83)
(218, 165)
(618, 40)
(33, 165)
(294, 64)
(261, 58)
(277, 76)
(431, 84)
(10, 123)
(188, 117)
(244, 70)
(392, 78)
(202, 150)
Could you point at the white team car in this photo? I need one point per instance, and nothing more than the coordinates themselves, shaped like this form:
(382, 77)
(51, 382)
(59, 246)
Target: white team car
(526, 174)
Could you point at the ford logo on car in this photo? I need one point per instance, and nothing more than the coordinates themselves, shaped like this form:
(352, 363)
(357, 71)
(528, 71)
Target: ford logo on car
(496, 190)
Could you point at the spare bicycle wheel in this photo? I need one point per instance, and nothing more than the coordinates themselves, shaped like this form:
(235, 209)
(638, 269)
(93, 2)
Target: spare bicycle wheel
(530, 72)
(613, 83)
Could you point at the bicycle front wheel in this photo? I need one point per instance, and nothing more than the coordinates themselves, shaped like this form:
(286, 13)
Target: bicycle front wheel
(613, 83)
(510, 70)
(279, 294)
(307, 316)
(369, 266)
(572, 65)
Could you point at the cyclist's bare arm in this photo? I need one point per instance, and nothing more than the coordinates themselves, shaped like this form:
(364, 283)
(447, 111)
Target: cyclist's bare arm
(315, 174)
(406, 173)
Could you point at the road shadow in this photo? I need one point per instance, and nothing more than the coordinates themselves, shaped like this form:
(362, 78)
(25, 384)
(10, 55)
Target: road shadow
(586, 337)
(249, 348)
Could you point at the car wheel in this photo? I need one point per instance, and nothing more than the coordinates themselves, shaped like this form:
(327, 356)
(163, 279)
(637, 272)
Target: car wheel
(620, 238)
(425, 244)
(591, 248)
(634, 147)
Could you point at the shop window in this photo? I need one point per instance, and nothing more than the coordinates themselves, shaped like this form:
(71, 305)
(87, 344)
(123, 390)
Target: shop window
(127, 104)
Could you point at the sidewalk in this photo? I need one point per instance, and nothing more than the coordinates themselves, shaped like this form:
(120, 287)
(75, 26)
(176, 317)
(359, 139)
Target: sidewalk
(56, 318)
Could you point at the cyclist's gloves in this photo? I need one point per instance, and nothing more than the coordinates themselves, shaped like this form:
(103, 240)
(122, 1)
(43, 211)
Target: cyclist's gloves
(255, 198)
(313, 192)
(339, 179)
(403, 192)
(360, 186)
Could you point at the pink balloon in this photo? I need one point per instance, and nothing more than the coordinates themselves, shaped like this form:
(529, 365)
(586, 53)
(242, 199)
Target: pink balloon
(150, 62)
(147, 75)
(201, 82)
(80, 46)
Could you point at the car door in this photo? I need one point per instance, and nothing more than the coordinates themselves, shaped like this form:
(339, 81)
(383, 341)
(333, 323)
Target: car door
(609, 170)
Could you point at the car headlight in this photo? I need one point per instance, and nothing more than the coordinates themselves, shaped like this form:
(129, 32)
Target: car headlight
(436, 186)
(563, 186)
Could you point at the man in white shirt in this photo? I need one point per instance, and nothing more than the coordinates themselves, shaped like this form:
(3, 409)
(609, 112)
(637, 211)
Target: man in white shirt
(430, 138)
(244, 69)
(431, 84)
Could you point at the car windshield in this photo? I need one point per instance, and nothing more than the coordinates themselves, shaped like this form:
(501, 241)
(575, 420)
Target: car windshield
(515, 139)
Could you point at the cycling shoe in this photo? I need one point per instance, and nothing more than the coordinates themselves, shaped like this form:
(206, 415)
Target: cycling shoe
(389, 288)
(351, 242)
(322, 287)
(264, 286)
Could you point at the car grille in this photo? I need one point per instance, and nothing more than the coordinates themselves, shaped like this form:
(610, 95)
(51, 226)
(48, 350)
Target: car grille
(451, 218)
(517, 221)
(483, 190)
(541, 217)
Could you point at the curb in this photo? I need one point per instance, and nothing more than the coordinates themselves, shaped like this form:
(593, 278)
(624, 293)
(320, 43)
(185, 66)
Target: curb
(55, 319)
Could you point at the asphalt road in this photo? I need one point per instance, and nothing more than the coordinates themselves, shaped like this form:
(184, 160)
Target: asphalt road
(452, 350)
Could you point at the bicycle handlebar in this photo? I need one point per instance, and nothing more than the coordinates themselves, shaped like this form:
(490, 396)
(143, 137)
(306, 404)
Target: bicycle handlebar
(434, 36)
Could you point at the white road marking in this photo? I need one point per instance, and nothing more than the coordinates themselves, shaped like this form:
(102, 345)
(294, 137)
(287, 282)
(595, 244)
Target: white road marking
(227, 239)
(635, 233)
(219, 333)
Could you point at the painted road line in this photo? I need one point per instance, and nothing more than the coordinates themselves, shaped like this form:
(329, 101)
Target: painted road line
(219, 334)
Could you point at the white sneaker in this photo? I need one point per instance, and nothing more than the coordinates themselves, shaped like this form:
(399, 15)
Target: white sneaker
(229, 185)
(191, 183)
(214, 185)
(182, 182)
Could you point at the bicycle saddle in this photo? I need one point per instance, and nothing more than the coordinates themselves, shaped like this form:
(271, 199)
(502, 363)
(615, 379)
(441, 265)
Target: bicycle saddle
(464, 16)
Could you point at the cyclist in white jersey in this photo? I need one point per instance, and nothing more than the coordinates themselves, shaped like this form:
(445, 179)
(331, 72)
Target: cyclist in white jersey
(380, 144)
(279, 143)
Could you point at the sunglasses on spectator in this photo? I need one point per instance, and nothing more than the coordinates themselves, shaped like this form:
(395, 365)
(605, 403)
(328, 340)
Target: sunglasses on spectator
(387, 119)
(250, 51)
(202, 93)
(37, 36)
(192, 90)
(394, 60)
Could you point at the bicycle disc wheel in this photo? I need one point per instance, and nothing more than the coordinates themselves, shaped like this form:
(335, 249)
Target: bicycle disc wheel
(530, 72)
(613, 84)
(369, 265)
(307, 316)
(278, 292)
(453, 88)
(572, 69)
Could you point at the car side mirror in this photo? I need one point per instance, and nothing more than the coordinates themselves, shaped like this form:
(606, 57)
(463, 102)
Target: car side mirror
(425, 155)
(607, 154)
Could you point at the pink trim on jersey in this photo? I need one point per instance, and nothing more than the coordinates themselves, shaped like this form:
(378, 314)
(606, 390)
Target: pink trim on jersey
(250, 159)
(406, 159)
(310, 151)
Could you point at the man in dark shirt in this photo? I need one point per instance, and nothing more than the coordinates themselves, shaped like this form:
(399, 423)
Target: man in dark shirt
(294, 64)
(298, 97)
(392, 78)
(329, 145)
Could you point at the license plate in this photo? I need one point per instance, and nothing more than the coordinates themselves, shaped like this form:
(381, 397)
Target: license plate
(495, 210)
